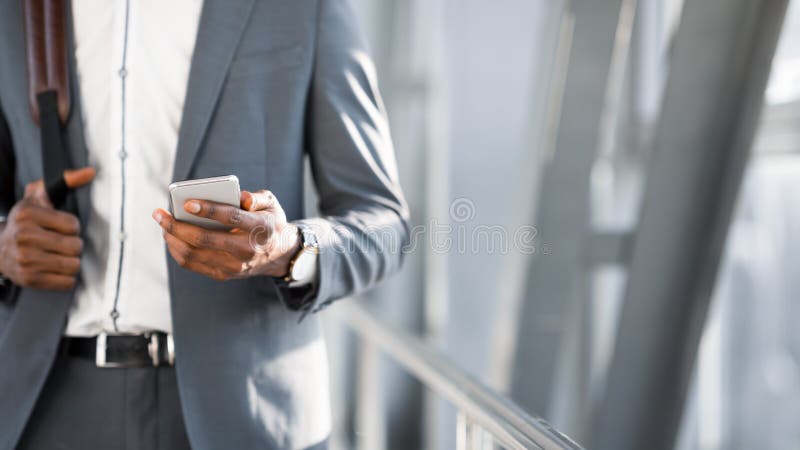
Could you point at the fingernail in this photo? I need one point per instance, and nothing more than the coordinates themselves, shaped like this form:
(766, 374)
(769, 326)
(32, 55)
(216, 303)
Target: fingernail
(192, 207)
(157, 216)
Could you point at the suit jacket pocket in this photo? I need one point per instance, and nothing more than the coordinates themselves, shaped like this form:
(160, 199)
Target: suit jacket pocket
(266, 61)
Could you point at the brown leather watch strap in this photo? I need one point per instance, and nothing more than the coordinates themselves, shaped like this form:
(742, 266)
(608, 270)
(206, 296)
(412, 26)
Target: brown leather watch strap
(46, 53)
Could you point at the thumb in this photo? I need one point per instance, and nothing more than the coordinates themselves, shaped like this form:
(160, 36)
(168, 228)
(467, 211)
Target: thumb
(79, 177)
(257, 201)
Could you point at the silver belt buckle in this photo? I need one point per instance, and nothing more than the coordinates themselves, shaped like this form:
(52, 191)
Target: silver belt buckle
(170, 350)
(154, 347)
(100, 352)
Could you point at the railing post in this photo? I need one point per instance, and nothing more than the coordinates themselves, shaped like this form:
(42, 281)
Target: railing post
(462, 431)
(370, 426)
(469, 435)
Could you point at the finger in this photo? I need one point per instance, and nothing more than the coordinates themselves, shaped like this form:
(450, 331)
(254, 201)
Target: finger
(52, 281)
(58, 221)
(235, 244)
(36, 194)
(209, 271)
(49, 241)
(186, 255)
(258, 201)
(193, 235)
(44, 262)
(179, 250)
(79, 177)
(34, 188)
(196, 260)
(225, 214)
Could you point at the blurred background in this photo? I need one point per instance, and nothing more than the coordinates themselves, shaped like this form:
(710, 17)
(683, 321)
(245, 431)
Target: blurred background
(604, 195)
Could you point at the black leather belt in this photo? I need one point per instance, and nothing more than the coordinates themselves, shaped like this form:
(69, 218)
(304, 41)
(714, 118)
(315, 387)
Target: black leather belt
(125, 350)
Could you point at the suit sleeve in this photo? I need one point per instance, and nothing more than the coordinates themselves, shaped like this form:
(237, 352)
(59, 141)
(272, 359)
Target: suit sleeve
(7, 168)
(8, 291)
(363, 226)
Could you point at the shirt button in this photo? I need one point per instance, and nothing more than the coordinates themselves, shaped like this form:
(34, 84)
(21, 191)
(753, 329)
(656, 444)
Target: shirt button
(123, 72)
(123, 154)
(122, 236)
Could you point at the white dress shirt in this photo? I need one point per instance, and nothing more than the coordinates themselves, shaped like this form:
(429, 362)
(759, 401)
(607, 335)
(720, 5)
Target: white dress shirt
(133, 60)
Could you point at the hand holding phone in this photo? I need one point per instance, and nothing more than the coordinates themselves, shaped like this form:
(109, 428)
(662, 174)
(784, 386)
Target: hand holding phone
(228, 234)
(217, 189)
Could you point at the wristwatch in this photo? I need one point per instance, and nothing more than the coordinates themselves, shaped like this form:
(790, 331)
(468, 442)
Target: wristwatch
(303, 267)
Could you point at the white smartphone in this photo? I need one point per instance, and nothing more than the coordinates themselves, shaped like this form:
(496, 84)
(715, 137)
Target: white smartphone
(217, 189)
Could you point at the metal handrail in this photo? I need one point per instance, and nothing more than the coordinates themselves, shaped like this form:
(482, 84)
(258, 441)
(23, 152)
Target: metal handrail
(509, 425)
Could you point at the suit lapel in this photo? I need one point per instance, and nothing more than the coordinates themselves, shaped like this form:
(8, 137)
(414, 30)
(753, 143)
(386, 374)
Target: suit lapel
(221, 28)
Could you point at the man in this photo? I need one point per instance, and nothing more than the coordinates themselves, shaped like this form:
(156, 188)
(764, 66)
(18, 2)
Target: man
(166, 91)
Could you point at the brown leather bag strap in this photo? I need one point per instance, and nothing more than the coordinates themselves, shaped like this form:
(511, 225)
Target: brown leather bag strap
(46, 54)
(48, 89)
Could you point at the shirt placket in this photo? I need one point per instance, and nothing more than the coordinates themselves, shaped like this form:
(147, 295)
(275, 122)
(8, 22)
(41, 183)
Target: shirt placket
(120, 146)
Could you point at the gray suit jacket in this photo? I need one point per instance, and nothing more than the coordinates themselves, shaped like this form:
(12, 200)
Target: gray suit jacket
(271, 82)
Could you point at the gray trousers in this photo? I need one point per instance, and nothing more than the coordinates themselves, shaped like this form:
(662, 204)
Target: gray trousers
(85, 407)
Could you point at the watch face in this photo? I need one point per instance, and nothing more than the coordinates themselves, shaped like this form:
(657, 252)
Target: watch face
(303, 266)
